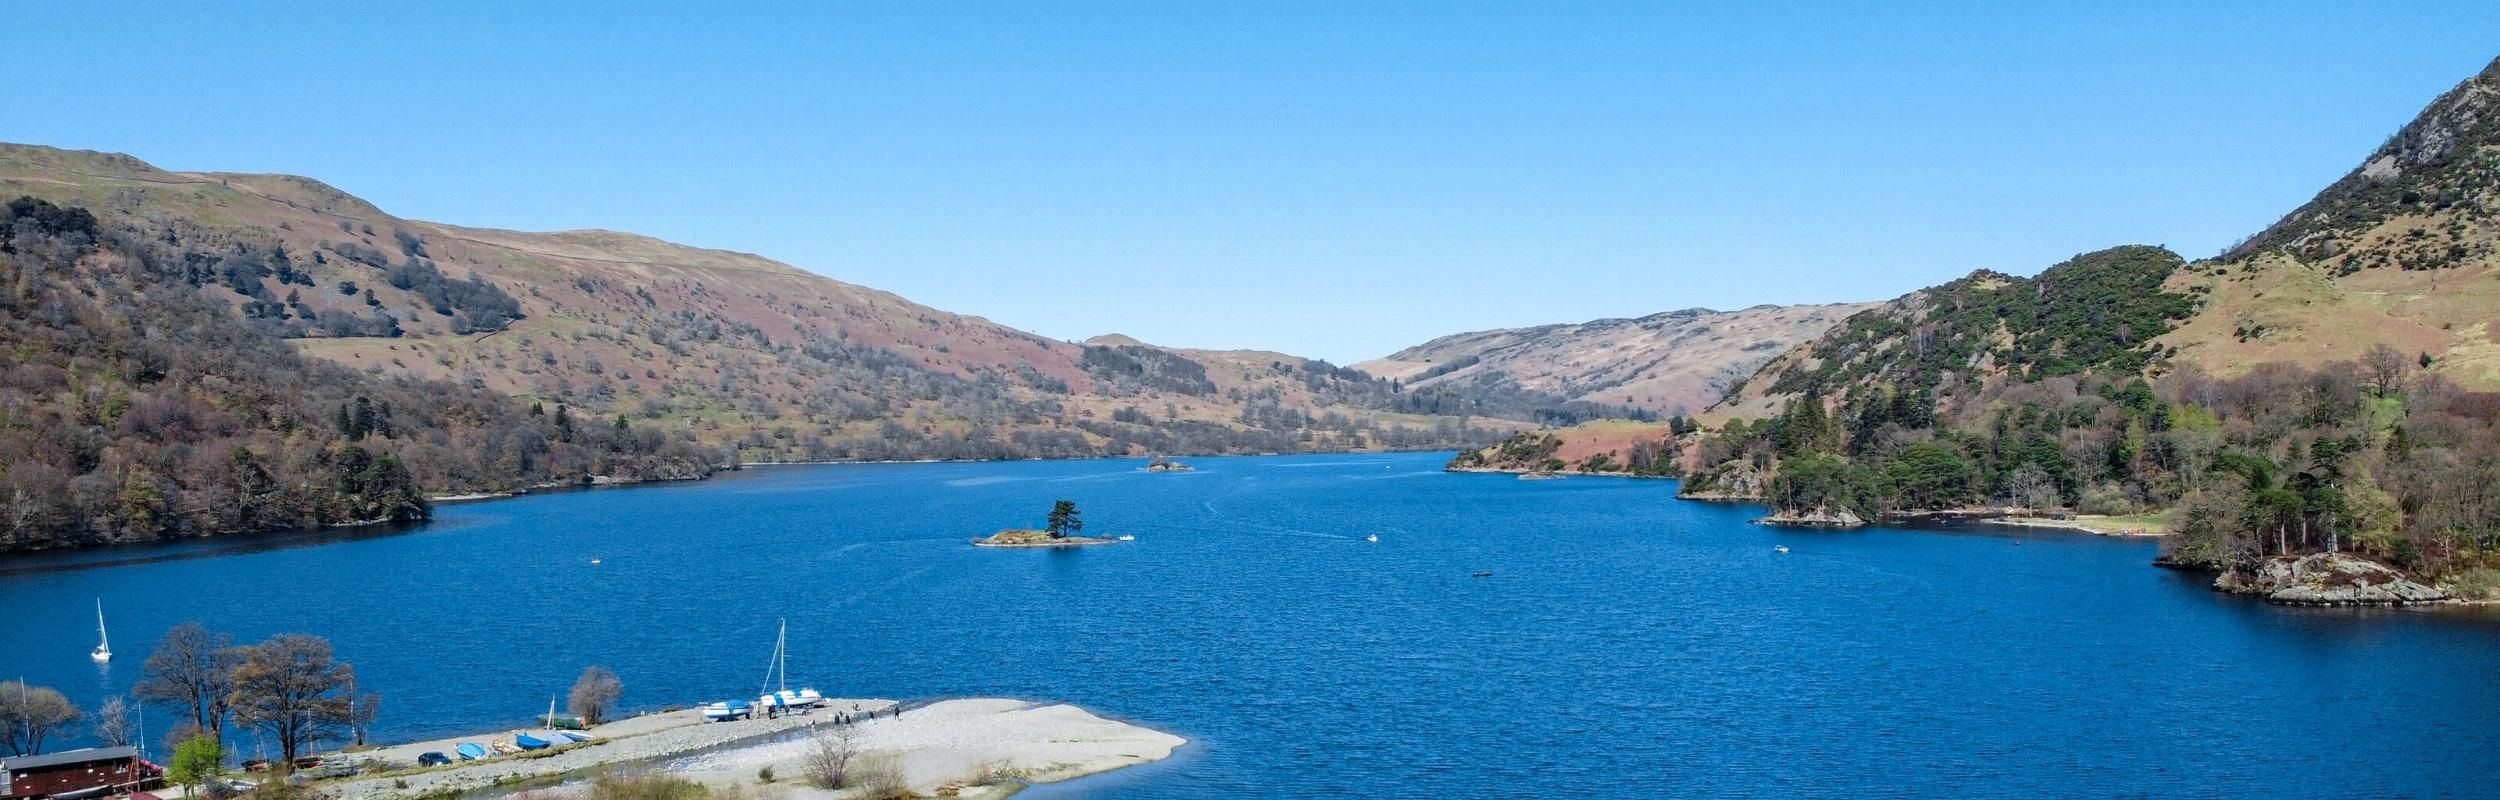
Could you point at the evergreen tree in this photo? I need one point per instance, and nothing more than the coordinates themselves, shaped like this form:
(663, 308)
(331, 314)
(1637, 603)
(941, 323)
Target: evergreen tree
(1063, 519)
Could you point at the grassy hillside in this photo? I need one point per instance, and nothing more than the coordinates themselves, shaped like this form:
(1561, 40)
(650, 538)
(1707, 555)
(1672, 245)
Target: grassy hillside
(734, 349)
(2318, 388)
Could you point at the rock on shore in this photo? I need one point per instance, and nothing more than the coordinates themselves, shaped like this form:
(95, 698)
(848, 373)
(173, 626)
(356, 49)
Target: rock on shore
(1815, 518)
(2326, 579)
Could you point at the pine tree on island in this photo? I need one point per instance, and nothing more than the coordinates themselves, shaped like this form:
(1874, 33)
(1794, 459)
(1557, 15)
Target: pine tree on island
(1063, 520)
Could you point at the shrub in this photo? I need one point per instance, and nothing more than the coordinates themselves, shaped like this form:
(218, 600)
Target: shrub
(647, 787)
(2106, 499)
(2479, 583)
(879, 776)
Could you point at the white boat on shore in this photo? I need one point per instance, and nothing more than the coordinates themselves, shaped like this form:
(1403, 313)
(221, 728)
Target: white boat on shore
(778, 673)
(727, 710)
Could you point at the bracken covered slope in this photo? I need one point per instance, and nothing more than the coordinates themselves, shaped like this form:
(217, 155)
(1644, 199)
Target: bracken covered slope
(737, 349)
(1669, 363)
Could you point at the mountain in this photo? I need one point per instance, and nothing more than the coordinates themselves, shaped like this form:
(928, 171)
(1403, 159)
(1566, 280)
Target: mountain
(2404, 250)
(2325, 387)
(660, 360)
(2100, 311)
(740, 349)
(1670, 363)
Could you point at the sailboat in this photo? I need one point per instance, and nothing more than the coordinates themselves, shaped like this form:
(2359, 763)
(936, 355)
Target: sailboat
(104, 644)
(778, 673)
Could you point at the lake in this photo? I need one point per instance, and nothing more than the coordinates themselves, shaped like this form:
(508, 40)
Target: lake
(1625, 643)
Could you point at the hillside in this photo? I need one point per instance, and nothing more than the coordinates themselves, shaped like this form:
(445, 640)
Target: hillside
(2320, 388)
(133, 408)
(735, 349)
(2404, 250)
(1671, 363)
(2095, 312)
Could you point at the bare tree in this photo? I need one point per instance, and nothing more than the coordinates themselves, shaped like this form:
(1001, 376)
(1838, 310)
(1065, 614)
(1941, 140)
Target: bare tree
(2387, 367)
(362, 709)
(828, 759)
(595, 694)
(113, 725)
(290, 688)
(2030, 487)
(192, 666)
(29, 714)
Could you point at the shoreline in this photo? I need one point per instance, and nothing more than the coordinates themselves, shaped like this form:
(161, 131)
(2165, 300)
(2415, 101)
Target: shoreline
(991, 745)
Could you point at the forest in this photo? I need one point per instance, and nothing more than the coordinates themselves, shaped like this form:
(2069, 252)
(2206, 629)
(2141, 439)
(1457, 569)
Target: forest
(2374, 457)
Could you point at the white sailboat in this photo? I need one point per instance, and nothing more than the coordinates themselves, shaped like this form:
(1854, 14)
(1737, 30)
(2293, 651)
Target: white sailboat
(778, 674)
(104, 644)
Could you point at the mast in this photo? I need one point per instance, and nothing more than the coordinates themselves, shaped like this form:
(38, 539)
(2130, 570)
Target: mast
(776, 667)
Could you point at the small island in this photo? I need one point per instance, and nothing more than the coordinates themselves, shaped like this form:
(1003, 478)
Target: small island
(1059, 530)
(1161, 464)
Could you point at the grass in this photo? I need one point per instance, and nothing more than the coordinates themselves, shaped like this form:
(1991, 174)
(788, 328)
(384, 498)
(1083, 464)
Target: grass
(2155, 523)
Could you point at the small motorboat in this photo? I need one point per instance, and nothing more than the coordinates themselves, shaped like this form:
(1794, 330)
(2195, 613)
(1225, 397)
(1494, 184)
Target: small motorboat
(1127, 538)
(528, 742)
(470, 751)
(1374, 538)
(1483, 573)
(1782, 548)
(574, 736)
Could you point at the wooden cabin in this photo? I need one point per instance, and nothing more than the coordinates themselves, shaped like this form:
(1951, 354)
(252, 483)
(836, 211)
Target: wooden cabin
(92, 772)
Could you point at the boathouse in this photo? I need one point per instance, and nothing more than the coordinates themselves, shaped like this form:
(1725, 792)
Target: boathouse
(92, 772)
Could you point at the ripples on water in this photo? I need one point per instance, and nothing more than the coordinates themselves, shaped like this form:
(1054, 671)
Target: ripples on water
(1626, 644)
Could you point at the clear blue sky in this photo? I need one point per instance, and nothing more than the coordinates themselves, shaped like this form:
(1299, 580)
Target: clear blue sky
(1333, 179)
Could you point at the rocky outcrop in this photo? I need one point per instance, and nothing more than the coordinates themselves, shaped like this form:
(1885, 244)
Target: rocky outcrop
(1735, 480)
(2326, 579)
(1815, 518)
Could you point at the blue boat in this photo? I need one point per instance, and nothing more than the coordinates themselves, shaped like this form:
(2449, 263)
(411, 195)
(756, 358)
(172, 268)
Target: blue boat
(728, 710)
(470, 751)
(528, 742)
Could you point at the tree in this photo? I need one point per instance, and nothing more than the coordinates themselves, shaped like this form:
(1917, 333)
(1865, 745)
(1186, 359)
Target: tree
(1063, 519)
(196, 760)
(290, 688)
(2387, 367)
(30, 714)
(2030, 487)
(828, 759)
(595, 694)
(113, 725)
(362, 709)
(192, 666)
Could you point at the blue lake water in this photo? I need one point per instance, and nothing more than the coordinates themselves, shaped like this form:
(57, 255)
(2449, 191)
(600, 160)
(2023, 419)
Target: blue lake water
(1626, 644)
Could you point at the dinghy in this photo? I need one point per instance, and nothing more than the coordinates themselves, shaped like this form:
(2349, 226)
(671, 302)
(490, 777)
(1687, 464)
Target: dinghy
(470, 751)
(528, 742)
(575, 736)
(727, 710)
